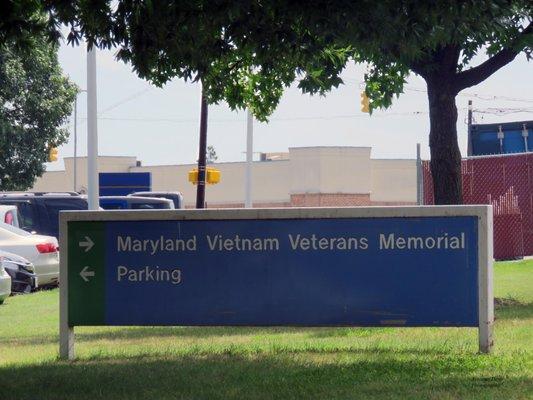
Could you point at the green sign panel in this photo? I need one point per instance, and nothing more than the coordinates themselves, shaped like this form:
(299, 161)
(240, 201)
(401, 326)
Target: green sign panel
(86, 275)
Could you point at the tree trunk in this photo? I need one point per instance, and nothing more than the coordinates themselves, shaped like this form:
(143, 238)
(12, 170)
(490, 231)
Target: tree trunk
(445, 155)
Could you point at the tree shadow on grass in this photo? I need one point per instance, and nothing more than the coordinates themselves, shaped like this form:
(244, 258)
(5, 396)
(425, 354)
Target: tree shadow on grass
(134, 332)
(510, 308)
(184, 332)
(259, 377)
(505, 308)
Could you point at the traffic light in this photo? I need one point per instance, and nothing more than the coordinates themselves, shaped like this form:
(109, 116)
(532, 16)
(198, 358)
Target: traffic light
(365, 103)
(52, 154)
(193, 176)
(212, 176)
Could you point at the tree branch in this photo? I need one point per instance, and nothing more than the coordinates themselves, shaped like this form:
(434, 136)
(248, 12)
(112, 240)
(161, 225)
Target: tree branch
(473, 76)
(445, 57)
(417, 68)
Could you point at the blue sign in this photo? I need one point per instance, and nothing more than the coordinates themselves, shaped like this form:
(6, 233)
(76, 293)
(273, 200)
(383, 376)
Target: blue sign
(515, 138)
(408, 271)
(123, 183)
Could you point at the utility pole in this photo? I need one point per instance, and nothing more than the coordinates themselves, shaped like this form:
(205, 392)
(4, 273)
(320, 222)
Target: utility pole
(76, 142)
(76, 139)
(419, 177)
(200, 189)
(92, 133)
(249, 158)
(525, 134)
(469, 139)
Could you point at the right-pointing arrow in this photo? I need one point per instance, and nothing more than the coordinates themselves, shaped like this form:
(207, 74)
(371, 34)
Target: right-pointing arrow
(87, 244)
(85, 273)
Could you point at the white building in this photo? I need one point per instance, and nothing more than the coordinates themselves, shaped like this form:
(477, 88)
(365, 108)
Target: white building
(305, 176)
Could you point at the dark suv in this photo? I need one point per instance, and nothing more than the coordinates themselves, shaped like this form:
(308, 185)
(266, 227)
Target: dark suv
(39, 211)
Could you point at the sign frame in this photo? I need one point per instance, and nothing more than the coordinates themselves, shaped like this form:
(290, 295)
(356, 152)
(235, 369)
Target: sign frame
(483, 213)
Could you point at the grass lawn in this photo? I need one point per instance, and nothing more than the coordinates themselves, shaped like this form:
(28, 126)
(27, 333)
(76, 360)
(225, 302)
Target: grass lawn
(281, 363)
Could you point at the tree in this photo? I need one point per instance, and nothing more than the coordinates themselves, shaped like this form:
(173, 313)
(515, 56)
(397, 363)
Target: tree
(211, 155)
(247, 52)
(36, 100)
(439, 42)
(21, 21)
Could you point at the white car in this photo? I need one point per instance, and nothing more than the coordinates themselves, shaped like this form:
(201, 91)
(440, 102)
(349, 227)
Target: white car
(5, 284)
(176, 197)
(42, 251)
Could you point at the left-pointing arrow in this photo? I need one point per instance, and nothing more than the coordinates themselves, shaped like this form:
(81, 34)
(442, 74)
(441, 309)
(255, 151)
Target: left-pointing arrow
(85, 273)
(87, 244)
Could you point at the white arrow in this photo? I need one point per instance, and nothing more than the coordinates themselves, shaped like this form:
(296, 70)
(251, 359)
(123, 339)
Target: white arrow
(87, 243)
(85, 273)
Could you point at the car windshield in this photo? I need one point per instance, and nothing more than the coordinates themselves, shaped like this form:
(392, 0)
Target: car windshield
(14, 229)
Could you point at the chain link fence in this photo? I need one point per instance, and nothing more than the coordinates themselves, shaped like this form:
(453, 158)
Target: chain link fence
(505, 182)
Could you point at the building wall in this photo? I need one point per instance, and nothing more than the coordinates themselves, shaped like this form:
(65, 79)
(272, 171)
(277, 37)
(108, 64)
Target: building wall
(270, 182)
(54, 181)
(330, 200)
(63, 181)
(393, 181)
(330, 170)
(309, 176)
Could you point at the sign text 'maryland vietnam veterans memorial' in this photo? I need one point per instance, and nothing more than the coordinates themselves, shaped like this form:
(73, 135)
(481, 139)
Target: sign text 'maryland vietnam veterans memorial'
(396, 266)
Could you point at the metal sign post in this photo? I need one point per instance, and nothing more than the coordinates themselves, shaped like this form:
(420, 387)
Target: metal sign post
(377, 266)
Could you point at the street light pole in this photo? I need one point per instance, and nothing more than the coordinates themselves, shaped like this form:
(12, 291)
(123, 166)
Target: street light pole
(249, 158)
(76, 142)
(469, 139)
(92, 132)
(76, 139)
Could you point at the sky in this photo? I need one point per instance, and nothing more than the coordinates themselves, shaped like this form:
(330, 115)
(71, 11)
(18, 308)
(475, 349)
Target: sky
(159, 126)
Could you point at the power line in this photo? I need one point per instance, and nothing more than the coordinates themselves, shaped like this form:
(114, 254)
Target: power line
(494, 111)
(503, 111)
(125, 100)
(479, 96)
(279, 119)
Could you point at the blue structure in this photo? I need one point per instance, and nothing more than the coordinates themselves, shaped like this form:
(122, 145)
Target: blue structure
(506, 138)
(124, 183)
(317, 272)
(320, 281)
(376, 266)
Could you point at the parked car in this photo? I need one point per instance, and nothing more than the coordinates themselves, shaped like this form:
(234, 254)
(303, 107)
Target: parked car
(176, 197)
(21, 271)
(39, 211)
(9, 215)
(134, 203)
(5, 284)
(42, 251)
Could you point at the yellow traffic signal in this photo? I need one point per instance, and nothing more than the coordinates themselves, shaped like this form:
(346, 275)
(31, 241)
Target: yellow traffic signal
(52, 154)
(212, 176)
(365, 103)
(193, 176)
